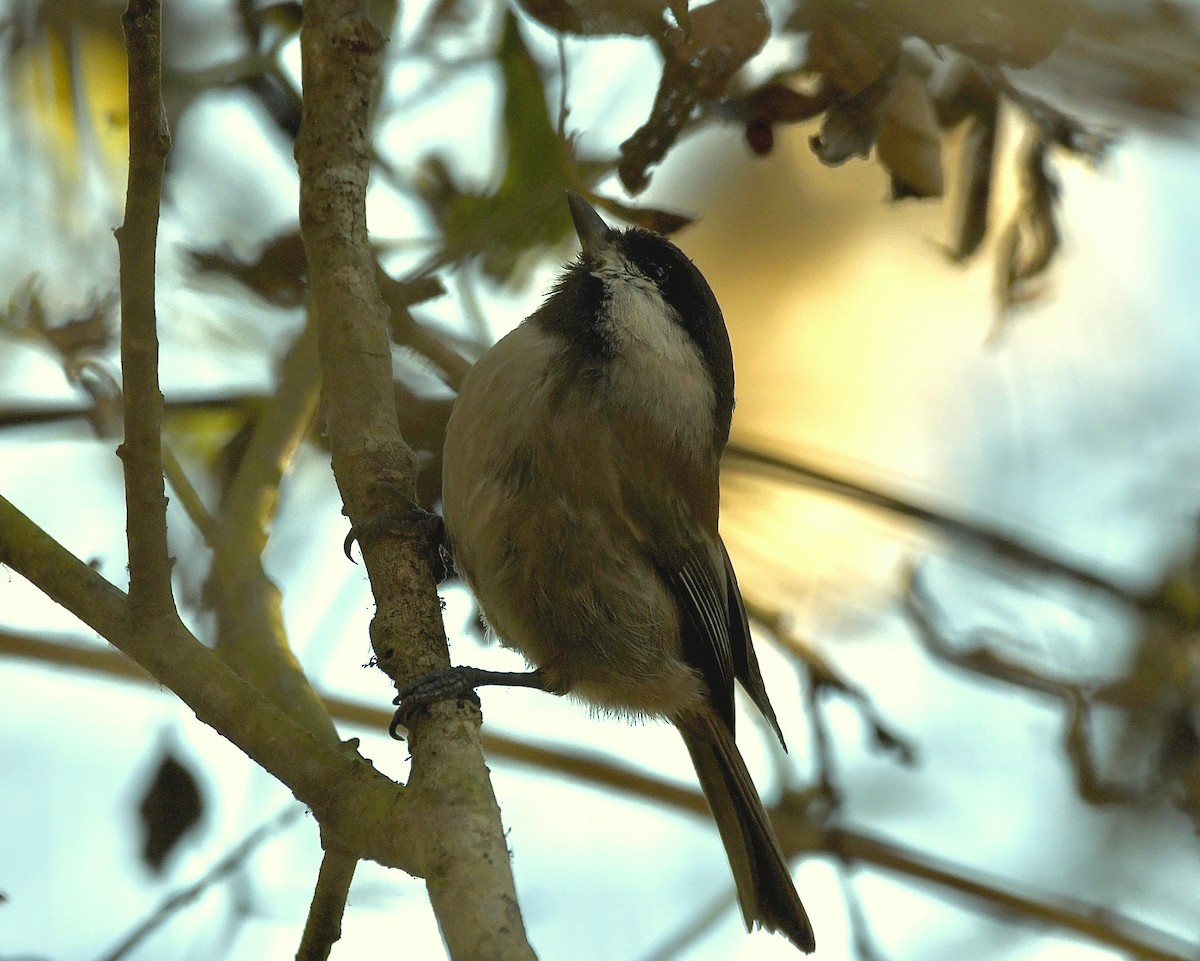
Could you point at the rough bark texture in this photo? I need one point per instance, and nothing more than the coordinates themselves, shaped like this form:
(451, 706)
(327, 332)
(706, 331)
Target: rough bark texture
(463, 854)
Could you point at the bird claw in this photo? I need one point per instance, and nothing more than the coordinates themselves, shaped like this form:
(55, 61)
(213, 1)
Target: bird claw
(458, 682)
(406, 521)
(446, 684)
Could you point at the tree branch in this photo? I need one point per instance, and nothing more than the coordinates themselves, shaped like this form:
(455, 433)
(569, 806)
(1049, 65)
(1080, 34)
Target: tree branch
(465, 859)
(251, 635)
(357, 807)
(993, 542)
(150, 597)
(185, 896)
(323, 927)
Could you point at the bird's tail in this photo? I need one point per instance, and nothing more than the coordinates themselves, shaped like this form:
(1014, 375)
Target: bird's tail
(765, 889)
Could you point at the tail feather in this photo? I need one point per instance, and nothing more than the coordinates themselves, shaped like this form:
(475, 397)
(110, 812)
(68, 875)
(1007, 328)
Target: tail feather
(765, 889)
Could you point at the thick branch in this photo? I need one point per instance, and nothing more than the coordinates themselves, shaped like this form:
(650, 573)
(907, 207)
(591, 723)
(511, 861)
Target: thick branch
(465, 859)
(150, 597)
(359, 808)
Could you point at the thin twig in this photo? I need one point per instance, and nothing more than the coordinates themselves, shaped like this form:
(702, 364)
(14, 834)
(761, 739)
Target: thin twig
(250, 627)
(1097, 924)
(823, 676)
(185, 896)
(999, 544)
(323, 927)
(150, 597)
(189, 498)
(983, 661)
(699, 923)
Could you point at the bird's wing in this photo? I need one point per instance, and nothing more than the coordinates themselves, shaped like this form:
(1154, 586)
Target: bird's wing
(665, 500)
(674, 506)
(745, 663)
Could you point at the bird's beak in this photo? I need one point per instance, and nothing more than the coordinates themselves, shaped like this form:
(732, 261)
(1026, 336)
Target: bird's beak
(593, 232)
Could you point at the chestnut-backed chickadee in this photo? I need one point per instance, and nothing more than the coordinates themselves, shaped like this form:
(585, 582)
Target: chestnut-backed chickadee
(581, 493)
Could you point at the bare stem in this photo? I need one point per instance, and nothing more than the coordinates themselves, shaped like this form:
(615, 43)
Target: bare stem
(324, 925)
(150, 597)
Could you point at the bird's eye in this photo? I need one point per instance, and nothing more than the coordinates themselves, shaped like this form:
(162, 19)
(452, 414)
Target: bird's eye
(656, 272)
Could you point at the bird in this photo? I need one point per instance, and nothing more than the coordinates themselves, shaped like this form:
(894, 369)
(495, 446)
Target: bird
(581, 498)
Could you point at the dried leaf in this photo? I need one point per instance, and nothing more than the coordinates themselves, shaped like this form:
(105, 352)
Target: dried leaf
(856, 57)
(970, 211)
(527, 210)
(1031, 238)
(851, 125)
(778, 103)
(170, 808)
(965, 93)
(91, 330)
(279, 275)
(969, 97)
(848, 46)
(698, 64)
(771, 104)
(909, 144)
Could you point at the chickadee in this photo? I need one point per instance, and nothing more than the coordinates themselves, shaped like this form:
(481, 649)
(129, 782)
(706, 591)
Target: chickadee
(580, 491)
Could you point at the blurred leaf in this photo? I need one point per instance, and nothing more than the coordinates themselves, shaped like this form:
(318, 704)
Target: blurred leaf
(1019, 33)
(856, 57)
(170, 808)
(528, 209)
(774, 103)
(267, 28)
(909, 144)
(1144, 56)
(203, 432)
(90, 330)
(849, 46)
(279, 275)
(970, 211)
(1031, 238)
(67, 72)
(698, 65)
(969, 98)
(651, 218)
(851, 124)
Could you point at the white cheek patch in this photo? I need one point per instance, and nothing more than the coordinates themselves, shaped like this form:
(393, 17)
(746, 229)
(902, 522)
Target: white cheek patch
(661, 370)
